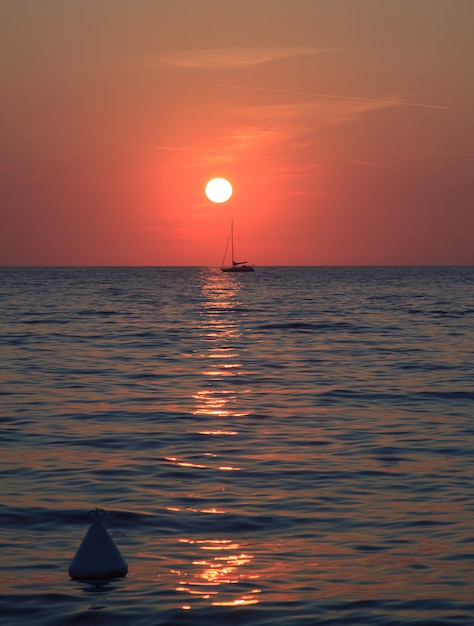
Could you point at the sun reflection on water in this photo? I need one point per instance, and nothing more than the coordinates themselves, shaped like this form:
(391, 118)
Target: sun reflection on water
(219, 572)
(221, 333)
(221, 575)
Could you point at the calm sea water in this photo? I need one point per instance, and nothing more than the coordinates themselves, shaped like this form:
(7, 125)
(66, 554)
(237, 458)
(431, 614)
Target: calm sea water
(284, 448)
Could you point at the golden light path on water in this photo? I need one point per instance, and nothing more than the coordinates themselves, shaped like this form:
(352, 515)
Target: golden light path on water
(223, 563)
(217, 576)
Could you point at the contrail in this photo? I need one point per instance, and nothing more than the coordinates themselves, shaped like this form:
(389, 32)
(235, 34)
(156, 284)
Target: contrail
(328, 95)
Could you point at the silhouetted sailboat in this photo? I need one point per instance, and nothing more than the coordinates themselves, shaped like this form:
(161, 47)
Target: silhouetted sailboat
(237, 266)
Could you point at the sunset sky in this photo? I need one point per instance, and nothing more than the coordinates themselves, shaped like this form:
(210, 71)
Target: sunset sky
(346, 128)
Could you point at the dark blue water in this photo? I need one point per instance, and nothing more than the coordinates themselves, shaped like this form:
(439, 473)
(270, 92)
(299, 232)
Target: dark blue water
(284, 448)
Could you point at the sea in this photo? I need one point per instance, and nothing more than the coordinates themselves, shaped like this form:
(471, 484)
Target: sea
(284, 448)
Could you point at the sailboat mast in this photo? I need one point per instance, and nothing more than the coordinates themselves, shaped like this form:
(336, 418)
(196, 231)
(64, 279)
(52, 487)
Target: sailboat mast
(232, 239)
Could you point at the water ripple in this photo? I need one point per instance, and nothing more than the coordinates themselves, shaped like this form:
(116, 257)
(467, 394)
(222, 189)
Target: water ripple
(291, 447)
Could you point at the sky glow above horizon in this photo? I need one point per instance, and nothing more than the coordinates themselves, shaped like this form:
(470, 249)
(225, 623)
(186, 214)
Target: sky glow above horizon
(344, 126)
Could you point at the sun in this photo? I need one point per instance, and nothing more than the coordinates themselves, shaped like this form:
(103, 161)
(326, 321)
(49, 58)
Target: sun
(218, 190)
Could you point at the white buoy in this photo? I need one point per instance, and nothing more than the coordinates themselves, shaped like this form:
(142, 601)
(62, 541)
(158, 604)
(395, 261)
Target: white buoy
(97, 556)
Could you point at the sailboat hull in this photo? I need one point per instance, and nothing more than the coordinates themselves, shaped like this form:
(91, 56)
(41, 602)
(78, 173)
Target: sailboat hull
(238, 268)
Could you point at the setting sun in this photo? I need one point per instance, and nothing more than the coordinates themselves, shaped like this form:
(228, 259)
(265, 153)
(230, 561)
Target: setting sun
(218, 190)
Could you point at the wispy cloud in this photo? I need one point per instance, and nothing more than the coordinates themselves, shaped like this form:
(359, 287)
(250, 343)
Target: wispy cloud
(371, 102)
(175, 148)
(229, 58)
(362, 163)
(273, 128)
(281, 126)
(278, 123)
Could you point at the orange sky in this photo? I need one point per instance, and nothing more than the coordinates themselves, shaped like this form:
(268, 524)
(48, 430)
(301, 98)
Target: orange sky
(345, 127)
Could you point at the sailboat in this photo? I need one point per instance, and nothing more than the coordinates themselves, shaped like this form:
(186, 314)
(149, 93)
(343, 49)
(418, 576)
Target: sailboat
(237, 266)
